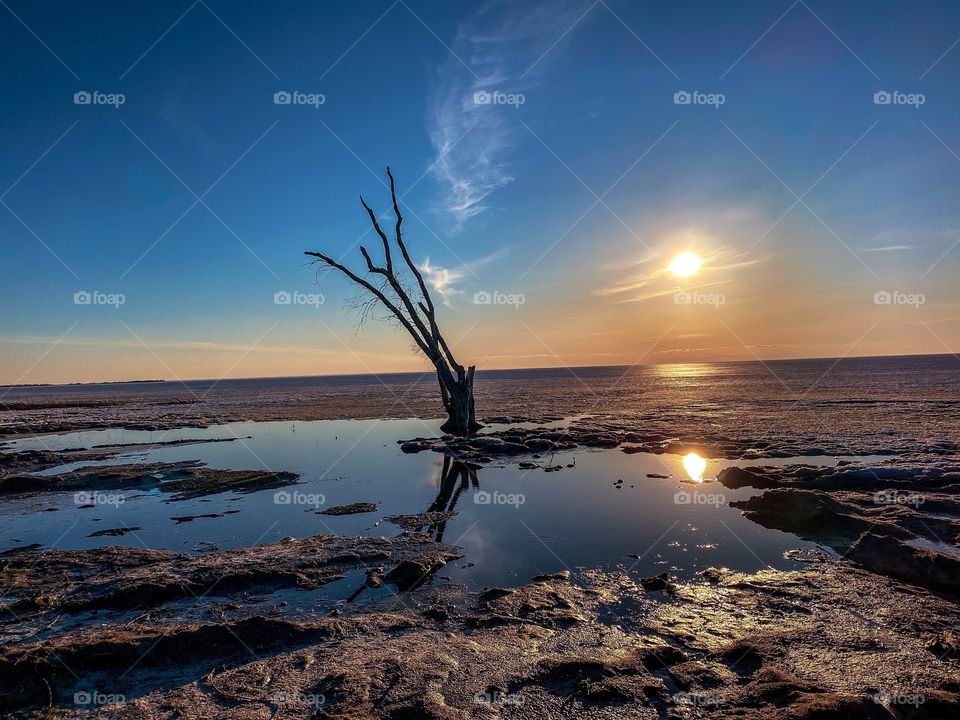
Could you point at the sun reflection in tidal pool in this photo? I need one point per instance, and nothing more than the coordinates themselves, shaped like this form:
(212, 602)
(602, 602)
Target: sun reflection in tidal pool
(694, 465)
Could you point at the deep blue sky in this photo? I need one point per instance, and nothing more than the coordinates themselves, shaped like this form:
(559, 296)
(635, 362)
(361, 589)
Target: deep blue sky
(598, 82)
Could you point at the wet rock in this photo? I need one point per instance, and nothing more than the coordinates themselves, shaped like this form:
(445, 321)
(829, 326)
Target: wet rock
(114, 532)
(412, 523)
(737, 477)
(351, 509)
(190, 518)
(415, 446)
(115, 578)
(880, 540)
(411, 574)
(946, 646)
(489, 444)
(808, 555)
(657, 582)
(203, 481)
(28, 461)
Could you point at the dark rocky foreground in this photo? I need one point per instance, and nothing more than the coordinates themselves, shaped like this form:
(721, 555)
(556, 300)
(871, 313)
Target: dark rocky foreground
(896, 519)
(830, 641)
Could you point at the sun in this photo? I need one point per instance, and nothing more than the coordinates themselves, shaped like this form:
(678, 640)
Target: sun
(685, 264)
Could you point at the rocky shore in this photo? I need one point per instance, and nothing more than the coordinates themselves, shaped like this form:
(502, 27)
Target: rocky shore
(336, 626)
(830, 641)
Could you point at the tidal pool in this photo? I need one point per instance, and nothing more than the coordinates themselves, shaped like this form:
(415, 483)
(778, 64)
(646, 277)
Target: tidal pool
(602, 509)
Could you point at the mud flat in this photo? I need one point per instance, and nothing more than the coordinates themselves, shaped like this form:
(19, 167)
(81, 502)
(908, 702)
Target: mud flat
(829, 641)
(631, 436)
(184, 480)
(874, 405)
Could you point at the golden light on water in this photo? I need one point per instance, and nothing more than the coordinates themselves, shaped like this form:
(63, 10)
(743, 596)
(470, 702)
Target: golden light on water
(694, 465)
(685, 264)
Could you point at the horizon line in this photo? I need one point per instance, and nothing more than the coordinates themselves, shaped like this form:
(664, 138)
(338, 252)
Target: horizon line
(412, 372)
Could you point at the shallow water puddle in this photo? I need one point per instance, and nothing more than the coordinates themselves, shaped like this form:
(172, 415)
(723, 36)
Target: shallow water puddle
(640, 512)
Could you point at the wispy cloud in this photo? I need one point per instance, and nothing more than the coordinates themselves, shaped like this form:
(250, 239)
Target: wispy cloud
(889, 248)
(649, 277)
(505, 48)
(443, 280)
(907, 239)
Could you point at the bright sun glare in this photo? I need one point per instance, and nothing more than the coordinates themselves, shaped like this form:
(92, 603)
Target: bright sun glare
(685, 264)
(694, 465)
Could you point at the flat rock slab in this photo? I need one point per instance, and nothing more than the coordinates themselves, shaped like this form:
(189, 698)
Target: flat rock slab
(351, 509)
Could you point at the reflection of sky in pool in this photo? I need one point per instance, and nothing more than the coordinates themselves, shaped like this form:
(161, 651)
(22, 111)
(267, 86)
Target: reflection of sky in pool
(511, 523)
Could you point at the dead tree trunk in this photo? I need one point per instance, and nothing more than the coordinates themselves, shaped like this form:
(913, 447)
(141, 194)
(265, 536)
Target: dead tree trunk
(417, 314)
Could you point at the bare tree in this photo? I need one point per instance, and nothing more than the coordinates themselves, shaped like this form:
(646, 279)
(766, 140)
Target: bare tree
(414, 311)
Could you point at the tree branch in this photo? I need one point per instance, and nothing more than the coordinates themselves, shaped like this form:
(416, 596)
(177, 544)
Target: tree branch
(327, 260)
(429, 310)
(380, 232)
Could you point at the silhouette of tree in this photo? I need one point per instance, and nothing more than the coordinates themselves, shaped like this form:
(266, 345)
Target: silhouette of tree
(416, 313)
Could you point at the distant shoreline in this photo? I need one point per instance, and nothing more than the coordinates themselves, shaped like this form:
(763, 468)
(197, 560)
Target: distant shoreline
(96, 382)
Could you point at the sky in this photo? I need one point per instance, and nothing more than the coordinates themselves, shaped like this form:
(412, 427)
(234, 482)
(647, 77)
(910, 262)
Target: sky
(165, 165)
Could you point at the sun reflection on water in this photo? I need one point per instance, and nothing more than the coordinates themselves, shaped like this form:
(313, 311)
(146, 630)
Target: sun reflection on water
(694, 465)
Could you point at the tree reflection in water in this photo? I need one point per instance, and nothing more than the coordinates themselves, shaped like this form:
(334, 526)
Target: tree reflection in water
(455, 477)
